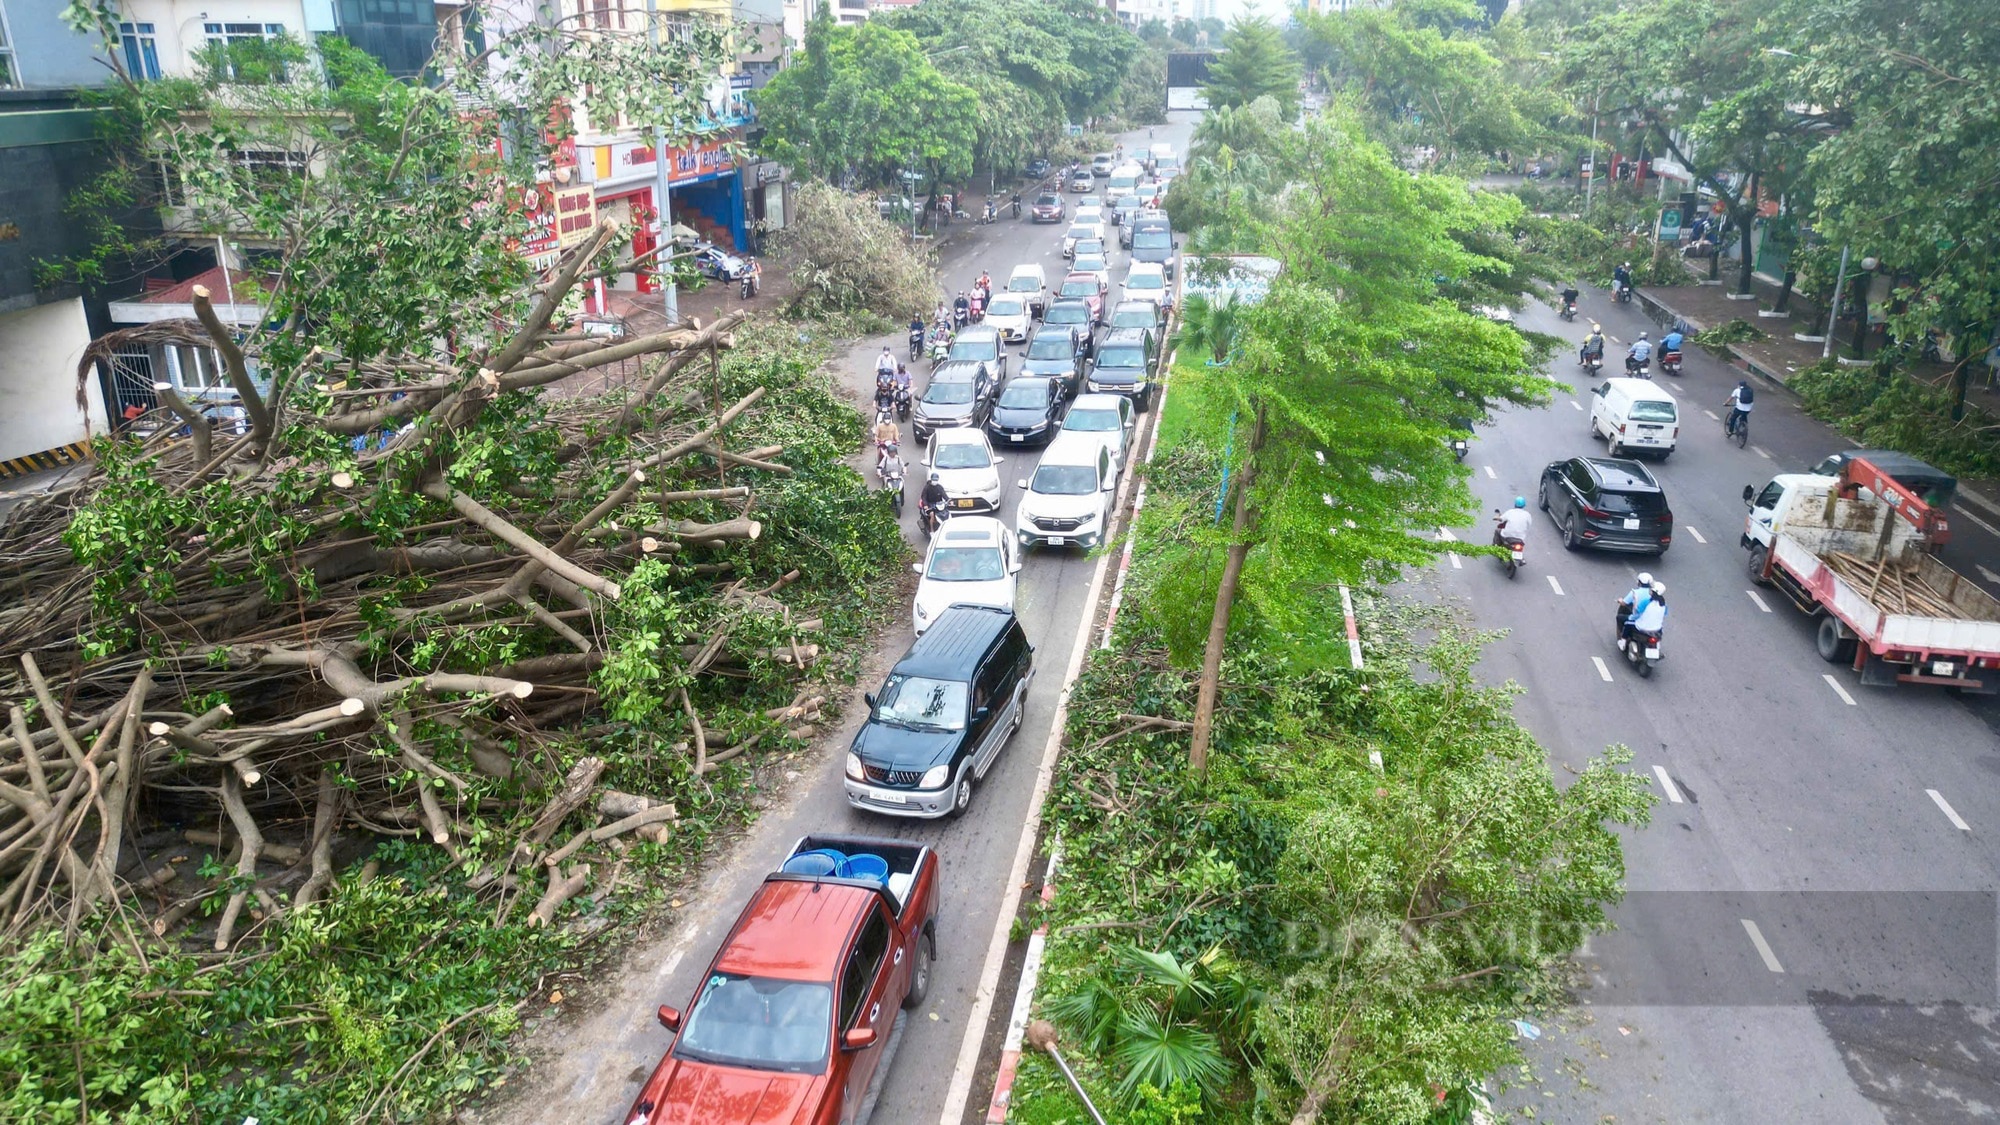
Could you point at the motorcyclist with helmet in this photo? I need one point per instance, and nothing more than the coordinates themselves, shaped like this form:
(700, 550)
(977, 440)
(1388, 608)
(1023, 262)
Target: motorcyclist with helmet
(1593, 345)
(931, 503)
(1639, 356)
(1513, 524)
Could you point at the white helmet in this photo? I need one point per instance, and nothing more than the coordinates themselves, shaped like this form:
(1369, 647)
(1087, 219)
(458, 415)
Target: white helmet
(1660, 589)
(1645, 579)
(1642, 335)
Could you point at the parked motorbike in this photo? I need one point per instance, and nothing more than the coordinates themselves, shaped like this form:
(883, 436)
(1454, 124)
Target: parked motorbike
(1641, 649)
(1670, 364)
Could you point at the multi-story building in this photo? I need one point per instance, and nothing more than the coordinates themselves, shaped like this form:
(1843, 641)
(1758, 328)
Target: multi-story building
(48, 147)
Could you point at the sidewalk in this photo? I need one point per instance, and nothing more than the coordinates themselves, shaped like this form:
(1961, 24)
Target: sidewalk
(1781, 354)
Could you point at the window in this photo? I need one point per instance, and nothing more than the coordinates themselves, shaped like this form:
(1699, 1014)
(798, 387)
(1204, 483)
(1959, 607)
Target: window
(9, 77)
(239, 51)
(142, 53)
(199, 368)
(862, 965)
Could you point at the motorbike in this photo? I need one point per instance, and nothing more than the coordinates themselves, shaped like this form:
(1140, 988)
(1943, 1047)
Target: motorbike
(916, 343)
(750, 283)
(990, 214)
(1670, 364)
(977, 310)
(1592, 364)
(892, 483)
(930, 518)
(1016, 203)
(960, 314)
(940, 346)
(1459, 447)
(1636, 368)
(1568, 310)
(1641, 649)
(902, 399)
(1517, 549)
(1624, 294)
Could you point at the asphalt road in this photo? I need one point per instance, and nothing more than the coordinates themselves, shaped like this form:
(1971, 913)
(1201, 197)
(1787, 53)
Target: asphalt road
(1810, 934)
(591, 1065)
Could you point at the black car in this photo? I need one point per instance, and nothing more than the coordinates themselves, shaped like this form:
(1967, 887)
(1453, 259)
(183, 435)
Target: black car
(1126, 362)
(1073, 312)
(1059, 352)
(1049, 208)
(1153, 241)
(1037, 168)
(956, 396)
(1609, 502)
(938, 722)
(1027, 411)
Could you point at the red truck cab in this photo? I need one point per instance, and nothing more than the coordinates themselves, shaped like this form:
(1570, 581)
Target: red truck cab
(793, 1021)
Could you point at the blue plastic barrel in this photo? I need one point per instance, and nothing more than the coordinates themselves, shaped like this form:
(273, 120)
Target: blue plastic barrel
(865, 866)
(820, 861)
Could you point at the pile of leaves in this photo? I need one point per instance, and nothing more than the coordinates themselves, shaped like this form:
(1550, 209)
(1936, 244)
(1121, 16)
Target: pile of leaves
(1734, 331)
(1888, 409)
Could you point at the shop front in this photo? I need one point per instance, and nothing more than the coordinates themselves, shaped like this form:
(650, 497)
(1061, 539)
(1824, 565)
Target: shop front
(707, 188)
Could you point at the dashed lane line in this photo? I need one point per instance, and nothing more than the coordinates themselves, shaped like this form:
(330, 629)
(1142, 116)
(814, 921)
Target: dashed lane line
(1667, 783)
(1576, 404)
(1603, 671)
(1959, 510)
(1950, 814)
(1838, 690)
(1985, 573)
(1490, 474)
(1761, 452)
(1555, 585)
(1712, 415)
(1763, 947)
(1697, 535)
(1760, 603)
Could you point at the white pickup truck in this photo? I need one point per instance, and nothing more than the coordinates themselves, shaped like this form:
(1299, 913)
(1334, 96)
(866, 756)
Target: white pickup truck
(1854, 551)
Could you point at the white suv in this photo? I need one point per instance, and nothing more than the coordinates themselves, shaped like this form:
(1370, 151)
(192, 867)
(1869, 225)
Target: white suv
(972, 561)
(1068, 501)
(965, 465)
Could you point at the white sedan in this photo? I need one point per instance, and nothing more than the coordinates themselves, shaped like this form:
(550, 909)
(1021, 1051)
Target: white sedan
(1011, 316)
(965, 465)
(972, 561)
(1077, 232)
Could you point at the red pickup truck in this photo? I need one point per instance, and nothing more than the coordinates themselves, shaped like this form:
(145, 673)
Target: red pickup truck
(792, 1022)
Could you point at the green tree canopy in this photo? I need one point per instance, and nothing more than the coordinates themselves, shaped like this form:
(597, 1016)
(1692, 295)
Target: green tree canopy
(866, 101)
(1254, 63)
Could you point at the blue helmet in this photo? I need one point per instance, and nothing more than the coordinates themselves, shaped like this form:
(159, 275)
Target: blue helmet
(1520, 501)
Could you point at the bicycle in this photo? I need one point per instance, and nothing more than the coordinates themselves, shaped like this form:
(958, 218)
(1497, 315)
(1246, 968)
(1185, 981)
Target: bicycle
(1736, 425)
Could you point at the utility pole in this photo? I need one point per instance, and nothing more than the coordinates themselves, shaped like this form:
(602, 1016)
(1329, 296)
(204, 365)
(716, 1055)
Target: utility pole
(1833, 308)
(670, 299)
(1591, 183)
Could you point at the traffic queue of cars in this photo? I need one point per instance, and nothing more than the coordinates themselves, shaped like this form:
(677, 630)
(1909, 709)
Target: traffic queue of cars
(796, 1017)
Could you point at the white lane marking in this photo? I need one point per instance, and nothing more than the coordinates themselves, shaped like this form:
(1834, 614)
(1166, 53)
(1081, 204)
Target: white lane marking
(1602, 671)
(1667, 783)
(1758, 600)
(1838, 690)
(1453, 556)
(1696, 534)
(1712, 415)
(1576, 404)
(1950, 814)
(1555, 585)
(1987, 574)
(1490, 474)
(1990, 529)
(1760, 451)
(1445, 535)
(1763, 947)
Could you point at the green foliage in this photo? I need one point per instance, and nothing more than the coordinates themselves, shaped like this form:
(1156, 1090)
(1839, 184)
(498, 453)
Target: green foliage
(1381, 924)
(338, 1020)
(844, 258)
(1886, 409)
(1210, 326)
(1736, 331)
(864, 102)
(1254, 63)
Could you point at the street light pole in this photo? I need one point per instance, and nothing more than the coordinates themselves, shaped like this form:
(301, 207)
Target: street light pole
(1591, 183)
(670, 300)
(1833, 310)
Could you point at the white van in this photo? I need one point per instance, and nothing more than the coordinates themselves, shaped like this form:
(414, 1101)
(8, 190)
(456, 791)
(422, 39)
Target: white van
(1635, 416)
(1068, 500)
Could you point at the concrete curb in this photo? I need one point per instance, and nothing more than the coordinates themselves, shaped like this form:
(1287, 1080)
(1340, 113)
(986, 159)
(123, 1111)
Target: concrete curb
(1024, 1000)
(1663, 314)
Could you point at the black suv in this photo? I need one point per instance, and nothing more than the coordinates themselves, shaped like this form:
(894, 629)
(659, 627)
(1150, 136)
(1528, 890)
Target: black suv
(938, 722)
(956, 396)
(1608, 502)
(1057, 351)
(1126, 358)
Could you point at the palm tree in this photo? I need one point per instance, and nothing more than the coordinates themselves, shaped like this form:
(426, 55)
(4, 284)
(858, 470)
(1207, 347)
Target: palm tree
(1214, 325)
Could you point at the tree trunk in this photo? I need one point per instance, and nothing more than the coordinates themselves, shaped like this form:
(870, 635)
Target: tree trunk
(1745, 223)
(1785, 291)
(1225, 598)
